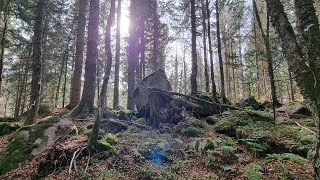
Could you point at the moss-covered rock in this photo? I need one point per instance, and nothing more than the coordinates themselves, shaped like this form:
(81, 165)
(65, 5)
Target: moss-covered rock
(198, 124)
(18, 150)
(9, 119)
(113, 126)
(249, 102)
(212, 120)
(8, 127)
(202, 144)
(228, 123)
(191, 132)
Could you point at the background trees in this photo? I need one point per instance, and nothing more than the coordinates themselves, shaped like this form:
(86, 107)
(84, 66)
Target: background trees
(159, 38)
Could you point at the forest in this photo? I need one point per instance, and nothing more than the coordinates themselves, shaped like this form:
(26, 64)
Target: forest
(160, 89)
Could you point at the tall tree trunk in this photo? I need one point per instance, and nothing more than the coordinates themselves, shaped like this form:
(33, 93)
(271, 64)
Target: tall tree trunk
(108, 50)
(103, 95)
(205, 59)
(36, 63)
(305, 67)
(132, 54)
(194, 70)
(75, 91)
(266, 40)
(256, 54)
(223, 94)
(213, 83)
(184, 70)
(3, 39)
(241, 69)
(65, 77)
(117, 59)
(86, 104)
(292, 92)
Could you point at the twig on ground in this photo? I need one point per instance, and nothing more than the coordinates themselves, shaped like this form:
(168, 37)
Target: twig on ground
(305, 128)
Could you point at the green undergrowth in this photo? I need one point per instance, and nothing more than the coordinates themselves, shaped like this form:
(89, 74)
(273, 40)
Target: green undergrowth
(257, 131)
(279, 166)
(18, 150)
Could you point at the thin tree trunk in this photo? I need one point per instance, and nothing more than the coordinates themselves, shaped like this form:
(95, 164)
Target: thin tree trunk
(213, 84)
(205, 59)
(103, 95)
(256, 55)
(184, 70)
(223, 94)
(65, 78)
(75, 90)
(3, 39)
(36, 63)
(266, 40)
(291, 86)
(117, 59)
(108, 50)
(194, 70)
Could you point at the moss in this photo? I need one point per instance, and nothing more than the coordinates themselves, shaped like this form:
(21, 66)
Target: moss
(110, 138)
(286, 156)
(191, 132)
(113, 126)
(7, 127)
(221, 156)
(44, 109)
(212, 120)
(253, 171)
(202, 144)
(9, 119)
(45, 168)
(17, 153)
(198, 124)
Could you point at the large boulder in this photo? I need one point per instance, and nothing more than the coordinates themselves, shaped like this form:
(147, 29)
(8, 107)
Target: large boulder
(295, 110)
(249, 102)
(141, 94)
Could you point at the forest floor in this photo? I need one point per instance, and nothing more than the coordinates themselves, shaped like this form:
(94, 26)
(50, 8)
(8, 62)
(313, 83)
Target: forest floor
(234, 145)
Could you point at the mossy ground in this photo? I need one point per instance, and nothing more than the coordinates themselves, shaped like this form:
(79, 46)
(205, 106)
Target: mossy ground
(139, 153)
(18, 150)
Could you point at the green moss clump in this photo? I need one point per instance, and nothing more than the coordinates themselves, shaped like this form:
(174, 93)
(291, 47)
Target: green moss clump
(17, 153)
(221, 156)
(212, 120)
(191, 132)
(198, 124)
(253, 171)
(9, 119)
(7, 127)
(44, 109)
(110, 138)
(203, 144)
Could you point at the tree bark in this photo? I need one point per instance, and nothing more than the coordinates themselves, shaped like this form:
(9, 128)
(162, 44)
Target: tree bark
(75, 91)
(117, 59)
(194, 70)
(108, 50)
(132, 54)
(86, 104)
(213, 83)
(36, 63)
(3, 39)
(266, 40)
(305, 68)
(205, 59)
(223, 94)
(107, 69)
